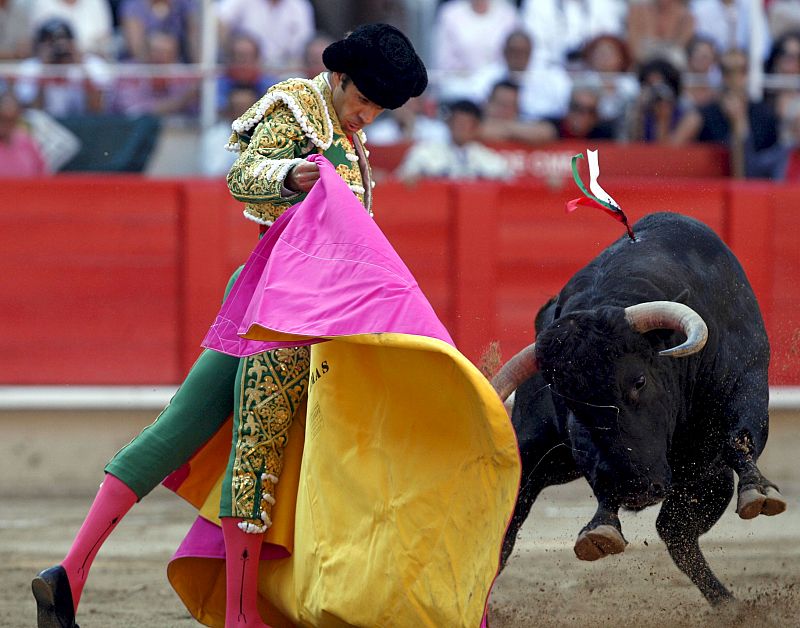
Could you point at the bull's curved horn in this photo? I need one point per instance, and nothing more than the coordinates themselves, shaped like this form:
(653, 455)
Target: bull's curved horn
(515, 371)
(644, 317)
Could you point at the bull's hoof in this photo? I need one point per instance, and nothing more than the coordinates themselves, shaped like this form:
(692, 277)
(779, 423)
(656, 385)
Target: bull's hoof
(728, 608)
(753, 502)
(599, 543)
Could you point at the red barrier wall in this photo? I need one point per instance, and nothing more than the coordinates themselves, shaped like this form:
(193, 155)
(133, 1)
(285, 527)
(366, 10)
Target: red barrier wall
(114, 280)
(90, 281)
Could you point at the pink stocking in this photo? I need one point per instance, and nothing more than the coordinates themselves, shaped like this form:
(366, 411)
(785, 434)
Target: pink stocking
(113, 501)
(242, 553)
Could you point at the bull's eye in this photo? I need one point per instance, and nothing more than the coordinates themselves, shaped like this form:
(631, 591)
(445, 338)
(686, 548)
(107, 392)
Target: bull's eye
(636, 388)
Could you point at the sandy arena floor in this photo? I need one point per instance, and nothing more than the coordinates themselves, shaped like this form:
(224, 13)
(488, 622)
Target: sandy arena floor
(46, 485)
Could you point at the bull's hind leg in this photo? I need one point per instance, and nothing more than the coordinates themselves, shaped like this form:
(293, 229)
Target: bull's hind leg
(756, 494)
(688, 512)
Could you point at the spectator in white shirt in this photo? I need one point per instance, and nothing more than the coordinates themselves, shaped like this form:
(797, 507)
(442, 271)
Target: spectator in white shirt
(732, 23)
(560, 28)
(544, 87)
(415, 121)
(78, 88)
(282, 27)
(468, 35)
(462, 157)
(90, 21)
(15, 31)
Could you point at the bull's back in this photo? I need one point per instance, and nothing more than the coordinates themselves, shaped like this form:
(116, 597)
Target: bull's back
(674, 257)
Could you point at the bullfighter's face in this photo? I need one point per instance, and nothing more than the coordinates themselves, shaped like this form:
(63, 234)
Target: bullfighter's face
(353, 109)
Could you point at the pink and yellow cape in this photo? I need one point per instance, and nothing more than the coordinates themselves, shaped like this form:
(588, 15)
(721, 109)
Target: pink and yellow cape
(402, 471)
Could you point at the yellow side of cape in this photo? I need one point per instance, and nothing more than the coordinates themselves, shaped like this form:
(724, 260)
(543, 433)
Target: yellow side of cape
(406, 480)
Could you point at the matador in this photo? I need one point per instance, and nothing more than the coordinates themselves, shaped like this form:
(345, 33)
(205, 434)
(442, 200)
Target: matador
(374, 68)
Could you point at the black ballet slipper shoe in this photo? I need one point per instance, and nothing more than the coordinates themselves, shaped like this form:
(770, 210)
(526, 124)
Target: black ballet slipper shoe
(53, 599)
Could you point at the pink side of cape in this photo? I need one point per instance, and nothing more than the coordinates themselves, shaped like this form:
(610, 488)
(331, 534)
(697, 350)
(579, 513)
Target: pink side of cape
(323, 269)
(204, 540)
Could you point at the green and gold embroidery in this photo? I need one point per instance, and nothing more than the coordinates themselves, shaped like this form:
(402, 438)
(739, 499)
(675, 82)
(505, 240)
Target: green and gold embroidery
(292, 120)
(273, 384)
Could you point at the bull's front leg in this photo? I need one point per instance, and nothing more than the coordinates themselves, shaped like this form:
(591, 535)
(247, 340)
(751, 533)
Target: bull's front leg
(602, 536)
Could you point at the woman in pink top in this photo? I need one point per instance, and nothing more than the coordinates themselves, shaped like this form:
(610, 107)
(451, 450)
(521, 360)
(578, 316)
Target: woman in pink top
(20, 155)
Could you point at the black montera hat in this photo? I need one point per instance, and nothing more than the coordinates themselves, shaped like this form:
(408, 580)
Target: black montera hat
(382, 63)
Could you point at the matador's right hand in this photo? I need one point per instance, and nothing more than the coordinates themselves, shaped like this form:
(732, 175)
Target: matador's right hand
(302, 177)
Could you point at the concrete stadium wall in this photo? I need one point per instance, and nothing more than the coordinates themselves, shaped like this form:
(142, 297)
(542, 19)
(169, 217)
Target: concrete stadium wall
(114, 280)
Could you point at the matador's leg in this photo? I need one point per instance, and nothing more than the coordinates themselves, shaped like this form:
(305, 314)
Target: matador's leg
(199, 408)
(270, 387)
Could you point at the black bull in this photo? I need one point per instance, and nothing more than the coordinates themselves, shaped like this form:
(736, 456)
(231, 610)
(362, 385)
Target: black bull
(661, 402)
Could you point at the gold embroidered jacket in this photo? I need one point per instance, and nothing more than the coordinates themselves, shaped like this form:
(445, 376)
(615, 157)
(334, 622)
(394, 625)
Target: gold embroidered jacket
(292, 120)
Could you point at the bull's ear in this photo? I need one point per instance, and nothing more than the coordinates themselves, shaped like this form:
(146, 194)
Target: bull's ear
(683, 297)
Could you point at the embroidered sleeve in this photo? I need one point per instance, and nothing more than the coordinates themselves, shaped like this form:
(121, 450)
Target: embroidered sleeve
(257, 176)
(288, 123)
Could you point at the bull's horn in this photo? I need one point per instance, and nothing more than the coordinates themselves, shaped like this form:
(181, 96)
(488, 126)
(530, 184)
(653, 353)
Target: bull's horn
(515, 371)
(644, 317)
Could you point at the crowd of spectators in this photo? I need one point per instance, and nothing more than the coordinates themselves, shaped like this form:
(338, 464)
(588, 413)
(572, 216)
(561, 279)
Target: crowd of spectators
(666, 72)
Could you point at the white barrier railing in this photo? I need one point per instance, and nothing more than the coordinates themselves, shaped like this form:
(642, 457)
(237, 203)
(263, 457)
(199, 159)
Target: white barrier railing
(156, 397)
(85, 397)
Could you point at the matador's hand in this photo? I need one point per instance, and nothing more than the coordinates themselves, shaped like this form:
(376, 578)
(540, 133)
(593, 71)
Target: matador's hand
(302, 177)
